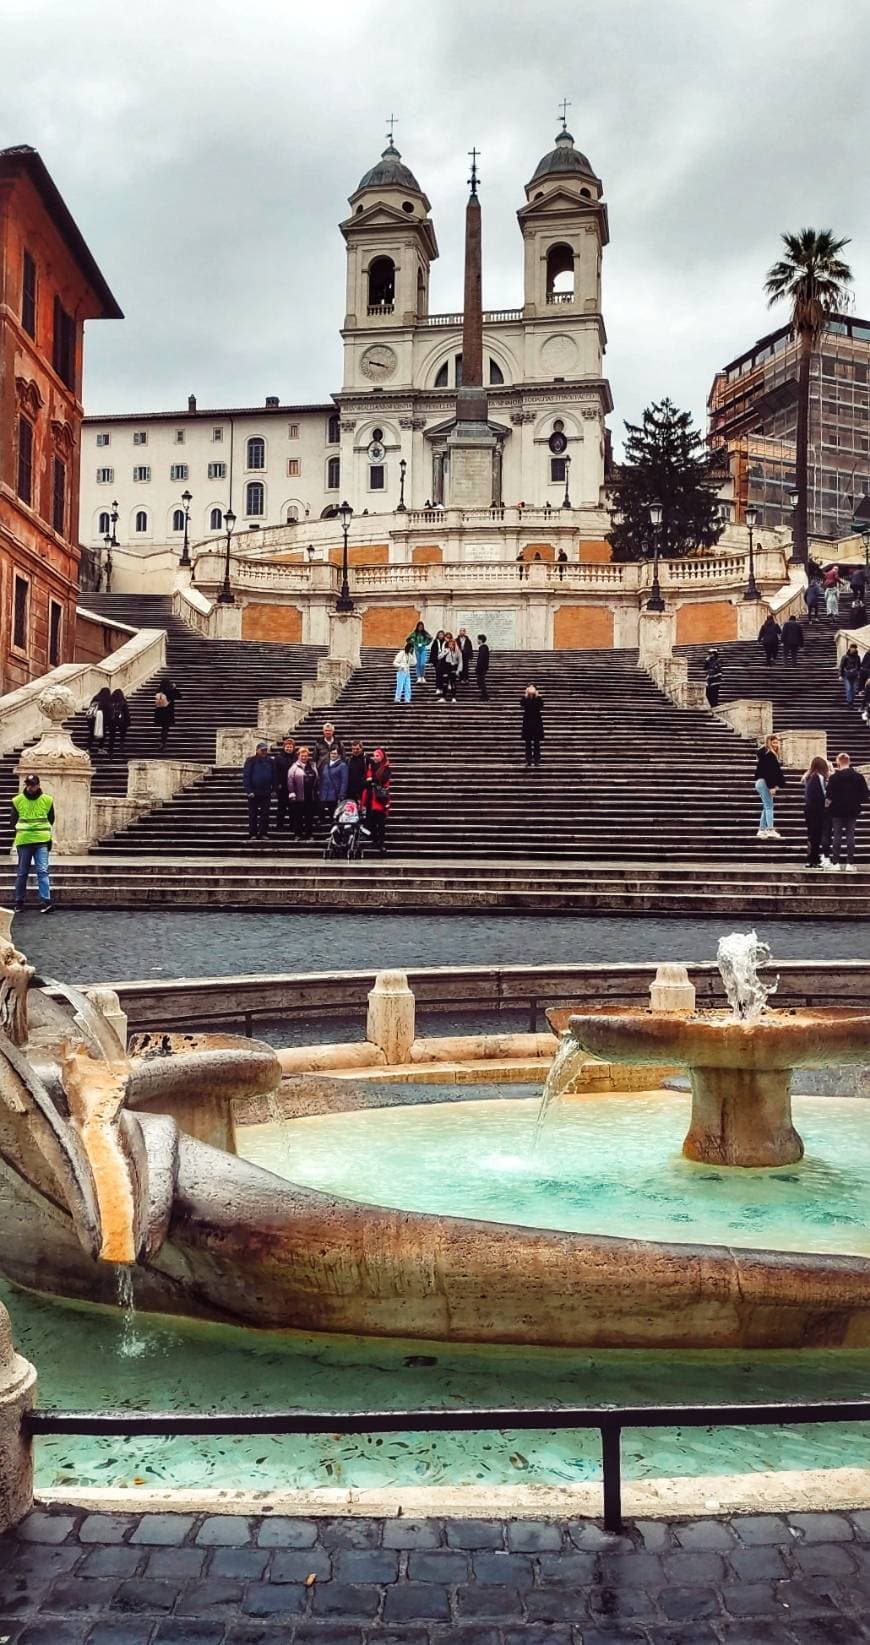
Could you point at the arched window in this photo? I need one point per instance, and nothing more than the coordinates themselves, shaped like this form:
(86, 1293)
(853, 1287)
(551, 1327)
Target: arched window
(382, 282)
(496, 375)
(333, 430)
(333, 474)
(255, 498)
(141, 520)
(560, 274)
(215, 520)
(105, 524)
(442, 375)
(256, 452)
(178, 519)
(292, 514)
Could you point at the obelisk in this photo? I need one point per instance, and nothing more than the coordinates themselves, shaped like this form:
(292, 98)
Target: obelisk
(471, 444)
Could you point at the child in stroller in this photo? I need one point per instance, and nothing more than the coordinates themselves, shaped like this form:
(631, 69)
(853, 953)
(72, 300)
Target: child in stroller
(348, 835)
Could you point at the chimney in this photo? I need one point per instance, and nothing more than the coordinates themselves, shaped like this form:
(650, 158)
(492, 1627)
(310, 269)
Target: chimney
(272, 400)
(191, 402)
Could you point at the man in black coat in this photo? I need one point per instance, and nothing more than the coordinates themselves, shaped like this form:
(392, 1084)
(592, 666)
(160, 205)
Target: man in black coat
(481, 667)
(281, 763)
(792, 640)
(466, 648)
(847, 793)
(258, 780)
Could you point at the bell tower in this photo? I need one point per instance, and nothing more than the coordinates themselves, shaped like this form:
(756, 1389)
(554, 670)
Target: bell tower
(564, 229)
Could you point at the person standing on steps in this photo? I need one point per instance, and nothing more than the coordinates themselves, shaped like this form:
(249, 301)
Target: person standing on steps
(451, 664)
(402, 663)
(792, 640)
(769, 779)
(301, 791)
(326, 743)
(377, 798)
(32, 815)
(858, 610)
(481, 667)
(421, 644)
(768, 638)
(561, 561)
(850, 673)
(119, 720)
(99, 718)
(832, 592)
(815, 783)
(435, 660)
(165, 698)
(813, 597)
(466, 652)
(847, 795)
(258, 780)
(864, 686)
(356, 771)
(713, 671)
(282, 760)
(332, 784)
(532, 731)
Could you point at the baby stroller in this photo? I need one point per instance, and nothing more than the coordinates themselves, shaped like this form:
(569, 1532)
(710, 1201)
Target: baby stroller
(348, 836)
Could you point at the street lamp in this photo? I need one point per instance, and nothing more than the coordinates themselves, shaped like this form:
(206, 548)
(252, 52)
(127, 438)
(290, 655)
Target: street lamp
(187, 499)
(111, 541)
(566, 500)
(344, 601)
(402, 469)
(655, 601)
(865, 538)
(750, 514)
(226, 596)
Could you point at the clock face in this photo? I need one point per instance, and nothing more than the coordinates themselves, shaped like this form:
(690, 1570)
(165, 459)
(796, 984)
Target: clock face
(378, 362)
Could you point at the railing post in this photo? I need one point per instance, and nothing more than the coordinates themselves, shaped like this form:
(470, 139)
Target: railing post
(611, 1435)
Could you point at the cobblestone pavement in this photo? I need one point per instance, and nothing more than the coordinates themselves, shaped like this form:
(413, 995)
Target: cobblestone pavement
(67, 1578)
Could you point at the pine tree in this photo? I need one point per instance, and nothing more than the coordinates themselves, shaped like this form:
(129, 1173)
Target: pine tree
(665, 462)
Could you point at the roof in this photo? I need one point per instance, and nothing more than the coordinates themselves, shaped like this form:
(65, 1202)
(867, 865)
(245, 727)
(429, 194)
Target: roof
(389, 172)
(839, 325)
(208, 413)
(24, 160)
(563, 158)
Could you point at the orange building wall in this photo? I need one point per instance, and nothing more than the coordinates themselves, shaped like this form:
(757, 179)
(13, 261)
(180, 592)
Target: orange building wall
(366, 554)
(706, 621)
(388, 624)
(427, 554)
(281, 624)
(546, 551)
(95, 640)
(595, 551)
(582, 627)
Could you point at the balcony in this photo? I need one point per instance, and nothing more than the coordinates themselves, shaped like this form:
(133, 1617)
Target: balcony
(491, 317)
(380, 308)
(559, 297)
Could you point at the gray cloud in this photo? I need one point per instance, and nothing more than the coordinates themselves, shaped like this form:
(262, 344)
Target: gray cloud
(207, 151)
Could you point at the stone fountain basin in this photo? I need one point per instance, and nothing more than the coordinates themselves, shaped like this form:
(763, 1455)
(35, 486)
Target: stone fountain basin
(778, 1040)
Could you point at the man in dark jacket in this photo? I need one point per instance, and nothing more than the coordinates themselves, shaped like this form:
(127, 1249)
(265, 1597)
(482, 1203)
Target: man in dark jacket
(281, 763)
(792, 640)
(325, 744)
(481, 667)
(463, 640)
(356, 771)
(258, 777)
(768, 638)
(847, 793)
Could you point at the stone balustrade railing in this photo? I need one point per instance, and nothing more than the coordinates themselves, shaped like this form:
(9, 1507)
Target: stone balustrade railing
(143, 655)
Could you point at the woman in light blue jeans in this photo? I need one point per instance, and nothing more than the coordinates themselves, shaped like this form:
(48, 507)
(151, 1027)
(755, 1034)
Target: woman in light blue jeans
(769, 779)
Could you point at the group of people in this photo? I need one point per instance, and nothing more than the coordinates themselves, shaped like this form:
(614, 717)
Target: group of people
(309, 784)
(450, 656)
(833, 800)
(108, 717)
(825, 588)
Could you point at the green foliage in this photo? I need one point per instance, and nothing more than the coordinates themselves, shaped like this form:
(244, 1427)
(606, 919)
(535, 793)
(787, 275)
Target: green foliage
(812, 278)
(666, 462)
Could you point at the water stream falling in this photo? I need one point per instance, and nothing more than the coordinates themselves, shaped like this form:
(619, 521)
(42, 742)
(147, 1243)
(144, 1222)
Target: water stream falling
(131, 1345)
(739, 956)
(559, 1078)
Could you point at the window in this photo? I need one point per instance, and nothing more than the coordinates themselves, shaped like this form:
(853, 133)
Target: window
(179, 436)
(376, 477)
(292, 514)
(105, 476)
(333, 430)
(140, 436)
(557, 470)
(25, 460)
(377, 435)
(178, 519)
(104, 523)
(560, 274)
(217, 435)
(256, 453)
(255, 498)
(142, 473)
(294, 467)
(217, 471)
(178, 471)
(496, 375)
(58, 496)
(215, 520)
(63, 356)
(28, 294)
(333, 474)
(20, 613)
(441, 375)
(382, 282)
(104, 439)
(141, 520)
(55, 618)
(293, 431)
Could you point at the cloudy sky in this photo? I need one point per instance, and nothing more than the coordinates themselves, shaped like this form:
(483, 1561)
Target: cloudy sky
(207, 150)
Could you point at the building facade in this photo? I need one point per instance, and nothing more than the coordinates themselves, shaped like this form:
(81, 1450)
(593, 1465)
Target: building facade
(382, 439)
(49, 286)
(752, 412)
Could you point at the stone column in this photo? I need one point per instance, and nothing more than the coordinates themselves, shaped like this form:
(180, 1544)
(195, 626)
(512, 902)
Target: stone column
(390, 1023)
(345, 636)
(657, 631)
(64, 771)
(17, 1395)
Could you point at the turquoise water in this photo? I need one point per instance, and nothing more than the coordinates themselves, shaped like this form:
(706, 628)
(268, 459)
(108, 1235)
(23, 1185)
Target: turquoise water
(84, 1360)
(606, 1165)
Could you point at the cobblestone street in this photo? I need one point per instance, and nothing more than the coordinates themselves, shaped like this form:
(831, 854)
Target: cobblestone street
(69, 1578)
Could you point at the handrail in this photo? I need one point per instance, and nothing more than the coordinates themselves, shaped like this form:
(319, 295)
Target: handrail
(609, 1420)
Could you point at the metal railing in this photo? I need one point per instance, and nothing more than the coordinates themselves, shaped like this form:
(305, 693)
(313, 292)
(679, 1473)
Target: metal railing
(609, 1420)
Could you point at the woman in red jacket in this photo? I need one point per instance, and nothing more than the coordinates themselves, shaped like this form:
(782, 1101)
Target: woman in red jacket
(376, 798)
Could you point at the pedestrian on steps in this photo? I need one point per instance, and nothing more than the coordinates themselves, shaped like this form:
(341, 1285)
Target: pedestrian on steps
(332, 784)
(326, 742)
(281, 763)
(258, 780)
(858, 611)
(769, 636)
(99, 718)
(421, 643)
(466, 651)
(813, 597)
(832, 591)
(769, 779)
(32, 815)
(451, 666)
(435, 660)
(850, 673)
(301, 793)
(532, 731)
(713, 671)
(816, 814)
(847, 795)
(356, 771)
(792, 640)
(864, 686)
(481, 667)
(119, 720)
(402, 663)
(165, 698)
(377, 798)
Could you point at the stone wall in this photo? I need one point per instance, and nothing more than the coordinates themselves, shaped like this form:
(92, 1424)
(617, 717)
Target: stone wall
(95, 639)
(587, 626)
(278, 623)
(706, 622)
(388, 624)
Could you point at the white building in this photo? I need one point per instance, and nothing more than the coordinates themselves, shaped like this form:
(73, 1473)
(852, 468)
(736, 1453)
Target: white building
(547, 396)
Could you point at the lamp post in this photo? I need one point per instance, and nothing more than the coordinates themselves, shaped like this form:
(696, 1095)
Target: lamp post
(111, 541)
(794, 498)
(566, 500)
(655, 601)
(865, 538)
(344, 601)
(402, 471)
(186, 499)
(750, 515)
(226, 596)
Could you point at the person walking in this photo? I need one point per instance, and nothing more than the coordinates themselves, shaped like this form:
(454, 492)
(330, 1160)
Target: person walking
(32, 816)
(481, 667)
(377, 798)
(850, 673)
(847, 795)
(466, 652)
(402, 664)
(99, 718)
(864, 686)
(769, 636)
(792, 640)
(356, 771)
(332, 784)
(713, 671)
(165, 698)
(813, 597)
(816, 815)
(119, 720)
(258, 780)
(282, 760)
(532, 731)
(421, 644)
(435, 660)
(451, 665)
(561, 561)
(301, 793)
(769, 779)
(832, 592)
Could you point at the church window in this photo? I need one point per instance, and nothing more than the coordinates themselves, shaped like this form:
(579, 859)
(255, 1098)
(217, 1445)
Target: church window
(104, 524)
(560, 274)
(256, 452)
(292, 515)
(24, 485)
(333, 474)
(496, 375)
(407, 205)
(558, 425)
(441, 375)
(377, 436)
(557, 470)
(586, 193)
(294, 467)
(333, 430)
(457, 370)
(215, 520)
(255, 498)
(178, 519)
(141, 520)
(382, 282)
(377, 477)
(217, 471)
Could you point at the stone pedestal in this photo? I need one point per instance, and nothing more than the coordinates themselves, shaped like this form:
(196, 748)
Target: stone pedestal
(750, 717)
(345, 636)
(64, 771)
(390, 1023)
(798, 748)
(276, 716)
(657, 631)
(742, 1116)
(671, 990)
(17, 1395)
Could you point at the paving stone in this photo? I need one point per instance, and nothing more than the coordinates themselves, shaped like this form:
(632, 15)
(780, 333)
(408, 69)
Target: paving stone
(759, 1632)
(823, 1559)
(622, 1602)
(465, 1636)
(162, 1530)
(247, 1564)
(74, 1593)
(350, 1533)
(111, 1560)
(351, 1599)
(694, 1633)
(223, 1531)
(40, 1561)
(379, 1635)
(687, 1604)
(531, 1634)
(413, 1533)
(623, 1565)
(534, 1536)
(363, 1565)
(143, 1594)
(764, 1563)
(214, 1594)
(511, 1570)
(279, 1633)
(750, 1599)
(128, 1632)
(262, 1599)
(860, 1518)
(312, 1633)
(44, 1527)
(296, 1565)
(437, 1565)
(10, 1628)
(686, 1567)
(105, 1527)
(603, 1633)
(654, 1535)
(804, 1597)
(286, 1533)
(754, 1528)
(705, 1533)
(22, 1594)
(189, 1631)
(503, 1604)
(592, 1538)
(176, 1564)
(825, 1630)
(822, 1527)
(409, 1601)
(54, 1631)
(556, 1605)
(475, 1533)
(578, 1568)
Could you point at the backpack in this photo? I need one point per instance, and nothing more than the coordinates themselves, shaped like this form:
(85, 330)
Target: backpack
(161, 700)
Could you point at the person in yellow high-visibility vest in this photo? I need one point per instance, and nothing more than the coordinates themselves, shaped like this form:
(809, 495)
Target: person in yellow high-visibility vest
(32, 817)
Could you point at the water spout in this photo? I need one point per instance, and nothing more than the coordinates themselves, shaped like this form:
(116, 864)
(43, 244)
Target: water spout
(567, 1058)
(739, 957)
(131, 1346)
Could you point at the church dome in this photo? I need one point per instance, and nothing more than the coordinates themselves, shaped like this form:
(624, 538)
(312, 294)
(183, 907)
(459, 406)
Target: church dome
(389, 172)
(563, 158)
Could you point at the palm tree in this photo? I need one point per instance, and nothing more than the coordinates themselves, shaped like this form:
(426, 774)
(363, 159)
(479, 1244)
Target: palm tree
(813, 279)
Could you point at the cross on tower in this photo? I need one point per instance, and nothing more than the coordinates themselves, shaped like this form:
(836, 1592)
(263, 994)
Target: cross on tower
(392, 122)
(564, 106)
(474, 179)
